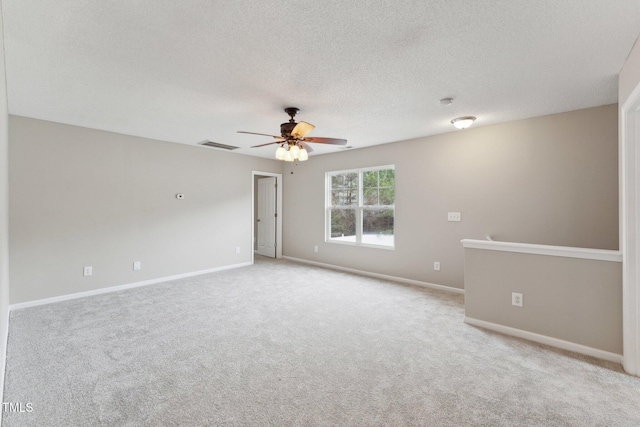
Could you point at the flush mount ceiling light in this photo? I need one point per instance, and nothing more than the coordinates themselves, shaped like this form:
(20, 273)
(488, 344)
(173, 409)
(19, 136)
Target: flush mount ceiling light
(463, 122)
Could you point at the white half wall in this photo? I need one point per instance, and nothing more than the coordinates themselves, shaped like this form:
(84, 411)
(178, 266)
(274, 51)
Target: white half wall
(84, 197)
(568, 294)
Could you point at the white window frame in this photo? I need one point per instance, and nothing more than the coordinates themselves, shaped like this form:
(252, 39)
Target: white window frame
(359, 208)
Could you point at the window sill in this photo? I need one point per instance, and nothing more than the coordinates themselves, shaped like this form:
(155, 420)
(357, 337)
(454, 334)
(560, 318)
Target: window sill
(362, 245)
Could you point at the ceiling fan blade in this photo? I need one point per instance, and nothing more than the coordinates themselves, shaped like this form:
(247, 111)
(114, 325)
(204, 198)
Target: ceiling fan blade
(319, 140)
(268, 143)
(263, 134)
(306, 147)
(302, 129)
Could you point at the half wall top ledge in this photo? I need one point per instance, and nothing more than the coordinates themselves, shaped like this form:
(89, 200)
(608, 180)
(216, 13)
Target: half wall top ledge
(536, 249)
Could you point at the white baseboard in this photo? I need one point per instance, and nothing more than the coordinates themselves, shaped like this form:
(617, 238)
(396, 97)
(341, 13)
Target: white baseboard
(379, 276)
(543, 339)
(60, 298)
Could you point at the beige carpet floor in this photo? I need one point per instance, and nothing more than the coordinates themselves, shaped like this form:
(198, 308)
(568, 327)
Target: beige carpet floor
(284, 344)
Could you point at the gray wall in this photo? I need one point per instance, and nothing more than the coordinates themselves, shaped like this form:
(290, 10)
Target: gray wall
(548, 180)
(83, 197)
(630, 74)
(4, 212)
(575, 300)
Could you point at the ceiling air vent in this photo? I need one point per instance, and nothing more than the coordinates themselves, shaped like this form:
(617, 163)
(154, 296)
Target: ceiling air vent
(218, 145)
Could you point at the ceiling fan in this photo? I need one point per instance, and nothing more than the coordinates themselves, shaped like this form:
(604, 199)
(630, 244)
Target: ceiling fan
(293, 140)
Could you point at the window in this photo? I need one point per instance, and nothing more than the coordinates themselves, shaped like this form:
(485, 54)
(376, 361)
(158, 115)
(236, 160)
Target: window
(361, 206)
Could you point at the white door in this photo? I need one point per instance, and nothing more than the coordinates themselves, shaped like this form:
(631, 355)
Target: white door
(266, 220)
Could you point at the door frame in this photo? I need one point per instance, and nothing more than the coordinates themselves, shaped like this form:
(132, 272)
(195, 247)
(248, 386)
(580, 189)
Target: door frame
(278, 177)
(267, 217)
(629, 152)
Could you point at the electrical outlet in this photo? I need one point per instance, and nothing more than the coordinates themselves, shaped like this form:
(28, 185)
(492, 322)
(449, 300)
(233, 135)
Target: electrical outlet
(88, 271)
(315, 249)
(436, 265)
(137, 266)
(454, 216)
(237, 249)
(516, 299)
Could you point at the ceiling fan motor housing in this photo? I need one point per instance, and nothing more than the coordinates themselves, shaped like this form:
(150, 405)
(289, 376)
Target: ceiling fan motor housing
(286, 128)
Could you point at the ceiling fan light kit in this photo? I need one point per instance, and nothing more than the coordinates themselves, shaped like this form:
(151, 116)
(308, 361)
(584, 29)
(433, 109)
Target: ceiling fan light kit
(291, 153)
(293, 142)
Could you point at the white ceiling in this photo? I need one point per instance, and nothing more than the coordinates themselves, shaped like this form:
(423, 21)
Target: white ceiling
(370, 72)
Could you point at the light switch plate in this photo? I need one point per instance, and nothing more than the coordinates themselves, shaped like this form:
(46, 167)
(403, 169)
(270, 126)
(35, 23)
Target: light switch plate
(454, 216)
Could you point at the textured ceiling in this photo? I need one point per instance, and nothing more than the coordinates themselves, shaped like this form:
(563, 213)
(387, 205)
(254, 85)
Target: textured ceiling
(370, 72)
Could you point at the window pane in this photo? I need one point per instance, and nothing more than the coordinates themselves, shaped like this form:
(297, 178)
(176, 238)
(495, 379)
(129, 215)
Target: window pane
(387, 196)
(370, 179)
(388, 178)
(344, 197)
(370, 197)
(344, 181)
(337, 181)
(343, 224)
(377, 226)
